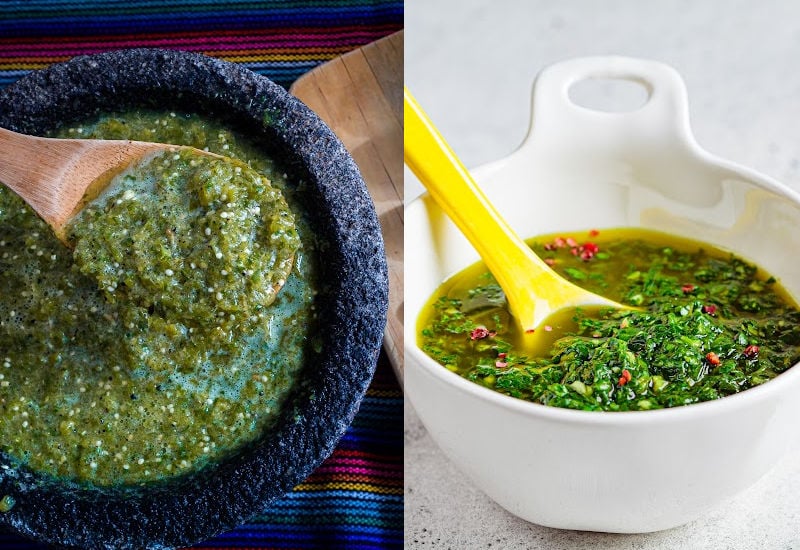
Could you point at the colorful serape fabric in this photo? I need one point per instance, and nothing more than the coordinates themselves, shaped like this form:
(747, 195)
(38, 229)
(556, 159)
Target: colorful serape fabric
(355, 499)
(279, 39)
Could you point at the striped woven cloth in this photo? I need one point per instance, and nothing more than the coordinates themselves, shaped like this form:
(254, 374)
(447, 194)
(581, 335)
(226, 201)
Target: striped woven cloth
(279, 39)
(354, 500)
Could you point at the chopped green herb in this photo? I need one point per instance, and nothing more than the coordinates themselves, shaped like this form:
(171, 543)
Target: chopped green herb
(575, 273)
(710, 325)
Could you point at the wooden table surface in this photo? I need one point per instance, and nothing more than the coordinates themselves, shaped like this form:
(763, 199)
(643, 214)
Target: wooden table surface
(359, 95)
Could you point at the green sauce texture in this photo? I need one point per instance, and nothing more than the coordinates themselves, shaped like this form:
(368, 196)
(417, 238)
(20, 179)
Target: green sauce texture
(190, 244)
(709, 325)
(160, 343)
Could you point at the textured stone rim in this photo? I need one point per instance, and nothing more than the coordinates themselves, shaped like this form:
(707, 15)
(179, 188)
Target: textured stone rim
(196, 507)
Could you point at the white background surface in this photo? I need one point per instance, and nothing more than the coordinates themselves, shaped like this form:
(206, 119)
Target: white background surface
(471, 65)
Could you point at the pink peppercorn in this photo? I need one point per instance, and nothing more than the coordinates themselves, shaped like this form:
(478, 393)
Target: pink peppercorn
(751, 351)
(479, 333)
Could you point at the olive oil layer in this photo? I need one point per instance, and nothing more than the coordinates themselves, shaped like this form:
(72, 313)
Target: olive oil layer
(709, 325)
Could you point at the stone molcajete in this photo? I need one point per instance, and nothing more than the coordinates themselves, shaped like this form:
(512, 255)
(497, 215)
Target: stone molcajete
(352, 302)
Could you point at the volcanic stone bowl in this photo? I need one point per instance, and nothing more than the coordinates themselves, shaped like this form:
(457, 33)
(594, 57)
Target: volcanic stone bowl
(352, 303)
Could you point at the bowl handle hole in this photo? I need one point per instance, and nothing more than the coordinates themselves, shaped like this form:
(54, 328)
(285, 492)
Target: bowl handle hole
(610, 95)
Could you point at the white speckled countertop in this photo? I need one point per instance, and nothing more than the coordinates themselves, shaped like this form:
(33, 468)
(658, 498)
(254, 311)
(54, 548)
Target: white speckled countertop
(471, 64)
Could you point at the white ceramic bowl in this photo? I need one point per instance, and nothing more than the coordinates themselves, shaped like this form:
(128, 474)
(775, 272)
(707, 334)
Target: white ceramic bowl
(580, 169)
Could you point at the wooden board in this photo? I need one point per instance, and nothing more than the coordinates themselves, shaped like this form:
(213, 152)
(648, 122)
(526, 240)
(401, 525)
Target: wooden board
(360, 96)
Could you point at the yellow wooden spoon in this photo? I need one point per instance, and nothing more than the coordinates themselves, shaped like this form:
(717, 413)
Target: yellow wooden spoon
(533, 290)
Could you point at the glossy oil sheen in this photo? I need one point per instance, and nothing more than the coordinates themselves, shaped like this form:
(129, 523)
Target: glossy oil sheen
(708, 325)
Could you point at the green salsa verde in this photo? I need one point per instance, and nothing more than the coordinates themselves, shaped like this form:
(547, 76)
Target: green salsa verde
(196, 248)
(160, 343)
(707, 325)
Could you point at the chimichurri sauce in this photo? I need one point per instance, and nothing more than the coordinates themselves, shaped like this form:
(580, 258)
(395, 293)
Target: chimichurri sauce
(159, 344)
(708, 325)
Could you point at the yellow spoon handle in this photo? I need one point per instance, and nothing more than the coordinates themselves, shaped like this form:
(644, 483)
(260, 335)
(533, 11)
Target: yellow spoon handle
(532, 289)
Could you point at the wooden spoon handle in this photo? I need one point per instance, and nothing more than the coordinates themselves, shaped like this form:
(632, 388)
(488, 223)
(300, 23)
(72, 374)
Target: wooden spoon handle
(52, 175)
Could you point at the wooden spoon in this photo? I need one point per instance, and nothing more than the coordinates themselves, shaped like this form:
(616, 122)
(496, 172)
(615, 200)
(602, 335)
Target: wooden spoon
(56, 177)
(533, 290)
